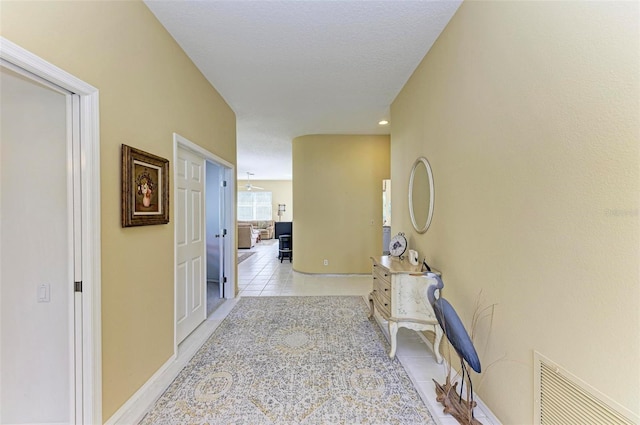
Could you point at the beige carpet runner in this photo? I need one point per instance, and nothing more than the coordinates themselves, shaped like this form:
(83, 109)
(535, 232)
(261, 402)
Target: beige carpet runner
(244, 255)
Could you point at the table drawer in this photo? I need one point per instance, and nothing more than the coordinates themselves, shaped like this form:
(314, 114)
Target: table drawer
(381, 273)
(382, 287)
(381, 277)
(382, 304)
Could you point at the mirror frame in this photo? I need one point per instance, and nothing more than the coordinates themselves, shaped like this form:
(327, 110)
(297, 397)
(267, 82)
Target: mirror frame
(421, 160)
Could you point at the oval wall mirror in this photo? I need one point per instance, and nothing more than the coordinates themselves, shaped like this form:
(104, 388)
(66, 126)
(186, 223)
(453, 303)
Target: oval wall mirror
(421, 195)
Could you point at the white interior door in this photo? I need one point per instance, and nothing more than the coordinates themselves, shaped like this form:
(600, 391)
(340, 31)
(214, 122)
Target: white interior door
(37, 269)
(28, 134)
(190, 243)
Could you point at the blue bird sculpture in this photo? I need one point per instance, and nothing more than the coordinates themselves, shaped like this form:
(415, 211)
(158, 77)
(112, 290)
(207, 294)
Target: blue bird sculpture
(454, 329)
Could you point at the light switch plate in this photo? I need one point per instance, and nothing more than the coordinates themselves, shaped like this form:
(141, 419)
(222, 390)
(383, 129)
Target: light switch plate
(44, 293)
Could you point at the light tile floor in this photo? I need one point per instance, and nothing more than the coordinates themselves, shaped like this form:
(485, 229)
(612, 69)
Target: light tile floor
(263, 274)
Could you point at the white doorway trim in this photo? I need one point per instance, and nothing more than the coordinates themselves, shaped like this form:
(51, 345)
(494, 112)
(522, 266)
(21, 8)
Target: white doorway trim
(90, 216)
(229, 213)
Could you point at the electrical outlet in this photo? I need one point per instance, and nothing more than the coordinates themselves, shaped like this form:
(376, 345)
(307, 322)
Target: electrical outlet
(325, 262)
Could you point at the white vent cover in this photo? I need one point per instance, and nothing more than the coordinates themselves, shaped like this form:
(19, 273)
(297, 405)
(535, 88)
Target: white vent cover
(563, 399)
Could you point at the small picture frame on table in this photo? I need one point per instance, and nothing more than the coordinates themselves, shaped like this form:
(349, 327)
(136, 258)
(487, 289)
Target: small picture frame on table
(145, 188)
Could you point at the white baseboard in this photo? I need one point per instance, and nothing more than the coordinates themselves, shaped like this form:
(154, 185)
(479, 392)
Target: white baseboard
(134, 409)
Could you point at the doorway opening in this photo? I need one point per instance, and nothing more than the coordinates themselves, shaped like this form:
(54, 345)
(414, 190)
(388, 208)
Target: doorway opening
(386, 216)
(216, 231)
(205, 237)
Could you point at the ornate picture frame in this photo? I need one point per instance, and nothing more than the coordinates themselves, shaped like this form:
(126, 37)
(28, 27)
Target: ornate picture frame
(145, 188)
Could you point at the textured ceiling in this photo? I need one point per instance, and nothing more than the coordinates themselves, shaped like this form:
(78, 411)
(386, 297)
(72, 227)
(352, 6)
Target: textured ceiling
(292, 68)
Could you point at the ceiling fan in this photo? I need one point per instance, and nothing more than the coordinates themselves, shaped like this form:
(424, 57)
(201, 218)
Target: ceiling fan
(249, 186)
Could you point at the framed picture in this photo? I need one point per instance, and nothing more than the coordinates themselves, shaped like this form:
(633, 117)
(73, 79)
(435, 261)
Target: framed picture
(145, 188)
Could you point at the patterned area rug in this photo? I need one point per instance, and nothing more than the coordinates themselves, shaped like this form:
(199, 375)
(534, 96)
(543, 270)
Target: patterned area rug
(293, 360)
(244, 255)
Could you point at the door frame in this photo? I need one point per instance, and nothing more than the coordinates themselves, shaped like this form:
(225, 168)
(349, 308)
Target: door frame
(230, 219)
(91, 332)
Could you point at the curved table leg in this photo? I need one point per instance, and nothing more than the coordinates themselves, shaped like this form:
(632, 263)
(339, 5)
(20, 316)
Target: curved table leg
(436, 342)
(371, 308)
(393, 332)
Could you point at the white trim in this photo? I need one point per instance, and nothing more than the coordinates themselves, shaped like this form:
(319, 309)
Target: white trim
(74, 186)
(230, 261)
(26, 60)
(131, 412)
(134, 409)
(189, 145)
(91, 262)
(90, 168)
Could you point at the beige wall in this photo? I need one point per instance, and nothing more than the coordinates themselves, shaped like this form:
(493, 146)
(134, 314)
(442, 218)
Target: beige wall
(281, 194)
(148, 90)
(528, 113)
(337, 198)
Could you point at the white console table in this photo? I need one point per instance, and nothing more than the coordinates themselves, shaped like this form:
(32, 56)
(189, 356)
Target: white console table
(400, 296)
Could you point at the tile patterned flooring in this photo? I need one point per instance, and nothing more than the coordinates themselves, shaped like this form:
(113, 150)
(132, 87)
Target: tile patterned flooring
(263, 275)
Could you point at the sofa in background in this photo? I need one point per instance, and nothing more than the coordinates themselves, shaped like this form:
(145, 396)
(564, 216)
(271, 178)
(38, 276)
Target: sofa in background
(247, 235)
(266, 227)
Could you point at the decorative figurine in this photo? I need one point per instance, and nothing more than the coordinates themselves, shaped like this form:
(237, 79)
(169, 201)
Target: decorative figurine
(457, 335)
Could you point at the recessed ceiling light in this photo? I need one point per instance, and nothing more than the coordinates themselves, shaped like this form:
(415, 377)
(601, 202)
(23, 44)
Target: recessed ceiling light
(383, 122)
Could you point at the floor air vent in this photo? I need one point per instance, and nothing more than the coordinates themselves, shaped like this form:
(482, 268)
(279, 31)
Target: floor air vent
(563, 399)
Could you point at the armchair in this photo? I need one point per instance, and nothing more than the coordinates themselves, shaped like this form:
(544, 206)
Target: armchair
(265, 227)
(247, 235)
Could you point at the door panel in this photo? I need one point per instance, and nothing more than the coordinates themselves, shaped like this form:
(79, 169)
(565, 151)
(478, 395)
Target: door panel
(196, 293)
(36, 254)
(196, 217)
(181, 223)
(181, 292)
(190, 249)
